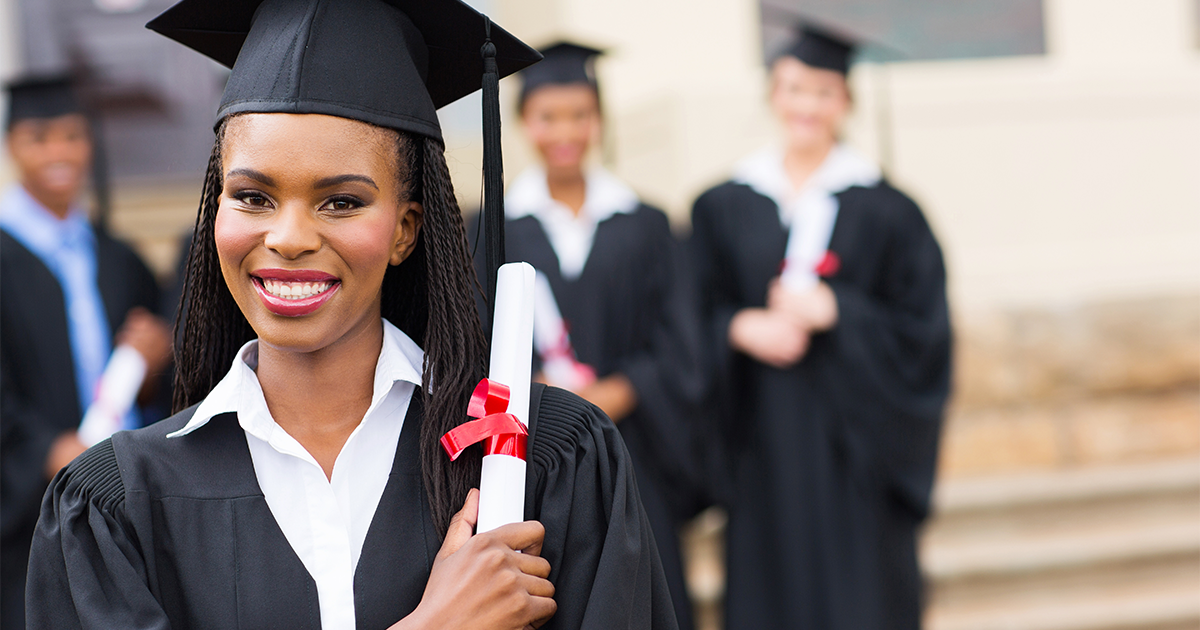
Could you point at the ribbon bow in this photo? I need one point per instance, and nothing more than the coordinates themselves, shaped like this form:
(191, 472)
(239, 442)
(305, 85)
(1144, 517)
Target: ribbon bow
(504, 433)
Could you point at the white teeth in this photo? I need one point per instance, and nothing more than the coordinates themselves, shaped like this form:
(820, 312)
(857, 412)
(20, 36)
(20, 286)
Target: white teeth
(295, 290)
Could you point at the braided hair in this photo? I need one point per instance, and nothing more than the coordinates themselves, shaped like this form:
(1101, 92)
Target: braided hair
(443, 321)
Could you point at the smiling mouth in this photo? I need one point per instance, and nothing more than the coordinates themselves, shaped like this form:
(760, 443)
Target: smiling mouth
(296, 293)
(294, 290)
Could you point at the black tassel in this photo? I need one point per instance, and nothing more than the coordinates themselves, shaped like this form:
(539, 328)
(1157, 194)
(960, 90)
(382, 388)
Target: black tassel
(493, 168)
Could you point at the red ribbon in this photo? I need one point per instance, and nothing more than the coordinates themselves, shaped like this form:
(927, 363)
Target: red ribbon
(505, 434)
(829, 265)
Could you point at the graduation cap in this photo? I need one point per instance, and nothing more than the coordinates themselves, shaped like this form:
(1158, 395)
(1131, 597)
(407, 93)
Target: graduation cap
(390, 63)
(46, 96)
(564, 63)
(820, 48)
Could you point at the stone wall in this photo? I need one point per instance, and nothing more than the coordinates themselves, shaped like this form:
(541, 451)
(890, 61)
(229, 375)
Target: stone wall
(1098, 383)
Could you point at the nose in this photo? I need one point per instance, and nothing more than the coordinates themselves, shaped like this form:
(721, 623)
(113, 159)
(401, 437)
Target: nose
(293, 232)
(73, 150)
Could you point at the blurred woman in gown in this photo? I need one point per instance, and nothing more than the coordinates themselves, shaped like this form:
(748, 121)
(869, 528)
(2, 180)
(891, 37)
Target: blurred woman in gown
(823, 290)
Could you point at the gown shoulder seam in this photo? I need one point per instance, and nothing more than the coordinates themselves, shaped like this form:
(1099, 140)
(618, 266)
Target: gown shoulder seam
(96, 476)
(562, 418)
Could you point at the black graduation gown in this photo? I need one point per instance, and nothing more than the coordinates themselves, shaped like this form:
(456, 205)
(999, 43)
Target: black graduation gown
(145, 532)
(630, 312)
(833, 459)
(38, 395)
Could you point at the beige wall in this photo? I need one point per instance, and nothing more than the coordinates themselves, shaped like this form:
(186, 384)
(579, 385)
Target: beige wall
(1073, 177)
(8, 67)
(1051, 180)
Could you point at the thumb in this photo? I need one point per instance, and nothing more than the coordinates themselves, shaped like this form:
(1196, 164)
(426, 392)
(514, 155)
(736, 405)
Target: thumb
(462, 526)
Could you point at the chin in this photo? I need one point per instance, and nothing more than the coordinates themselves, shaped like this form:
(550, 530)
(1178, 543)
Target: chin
(564, 160)
(808, 138)
(299, 335)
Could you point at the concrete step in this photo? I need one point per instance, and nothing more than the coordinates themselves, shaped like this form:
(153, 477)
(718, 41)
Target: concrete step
(1113, 548)
(1149, 606)
(1090, 562)
(1065, 501)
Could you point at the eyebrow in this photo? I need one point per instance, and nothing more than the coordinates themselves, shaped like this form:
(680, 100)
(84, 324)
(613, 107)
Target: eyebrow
(325, 182)
(328, 182)
(252, 174)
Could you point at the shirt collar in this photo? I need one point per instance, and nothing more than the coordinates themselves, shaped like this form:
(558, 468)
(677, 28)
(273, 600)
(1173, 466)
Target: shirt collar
(400, 360)
(39, 229)
(843, 168)
(605, 196)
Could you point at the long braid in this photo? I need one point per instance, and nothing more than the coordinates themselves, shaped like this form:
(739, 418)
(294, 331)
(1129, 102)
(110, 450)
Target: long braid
(455, 347)
(213, 328)
(430, 297)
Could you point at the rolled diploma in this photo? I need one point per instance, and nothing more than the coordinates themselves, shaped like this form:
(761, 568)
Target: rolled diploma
(116, 393)
(502, 482)
(560, 366)
(808, 240)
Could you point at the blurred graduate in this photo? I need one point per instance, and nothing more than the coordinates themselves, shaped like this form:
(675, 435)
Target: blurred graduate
(823, 290)
(69, 293)
(614, 321)
(330, 340)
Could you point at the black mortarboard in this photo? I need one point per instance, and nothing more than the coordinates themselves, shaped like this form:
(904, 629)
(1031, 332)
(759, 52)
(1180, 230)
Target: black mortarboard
(390, 63)
(820, 48)
(563, 63)
(46, 96)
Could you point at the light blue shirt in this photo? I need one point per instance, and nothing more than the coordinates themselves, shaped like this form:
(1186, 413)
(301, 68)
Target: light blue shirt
(68, 248)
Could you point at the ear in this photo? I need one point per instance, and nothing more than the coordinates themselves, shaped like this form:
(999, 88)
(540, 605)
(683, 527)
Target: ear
(408, 226)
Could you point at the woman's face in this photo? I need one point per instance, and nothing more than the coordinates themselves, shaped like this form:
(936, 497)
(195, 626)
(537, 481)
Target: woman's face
(810, 102)
(562, 121)
(310, 217)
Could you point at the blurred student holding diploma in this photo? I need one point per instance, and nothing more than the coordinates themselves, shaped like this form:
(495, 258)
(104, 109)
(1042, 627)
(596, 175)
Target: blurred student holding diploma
(69, 295)
(613, 320)
(824, 291)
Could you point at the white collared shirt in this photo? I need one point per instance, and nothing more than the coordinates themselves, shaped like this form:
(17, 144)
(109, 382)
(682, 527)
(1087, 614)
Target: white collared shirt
(844, 167)
(570, 235)
(325, 520)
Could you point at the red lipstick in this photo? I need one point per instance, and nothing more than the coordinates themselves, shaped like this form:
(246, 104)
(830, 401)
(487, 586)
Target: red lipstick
(294, 306)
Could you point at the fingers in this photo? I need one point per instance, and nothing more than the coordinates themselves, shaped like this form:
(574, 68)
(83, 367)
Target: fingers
(462, 526)
(546, 608)
(533, 565)
(526, 537)
(537, 586)
(539, 606)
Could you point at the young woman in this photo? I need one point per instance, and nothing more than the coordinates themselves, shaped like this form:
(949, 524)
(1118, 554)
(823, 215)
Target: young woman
(330, 340)
(613, 271)
(833, 373)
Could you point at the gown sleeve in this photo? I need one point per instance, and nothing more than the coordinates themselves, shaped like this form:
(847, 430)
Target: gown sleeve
(666, 372)
(26, 436)
(604, 562)
(892, 351)
(717, 298)
(712, 270)
(668, 363)
(83, 517)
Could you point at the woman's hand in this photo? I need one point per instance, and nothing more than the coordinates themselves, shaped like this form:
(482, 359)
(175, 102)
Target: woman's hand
(814, 310)
(495, 580)
(770, 336)
(613, 394)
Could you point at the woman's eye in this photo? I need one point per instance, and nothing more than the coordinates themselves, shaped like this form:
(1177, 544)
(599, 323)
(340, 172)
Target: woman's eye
(252, 199)
(343, 204)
